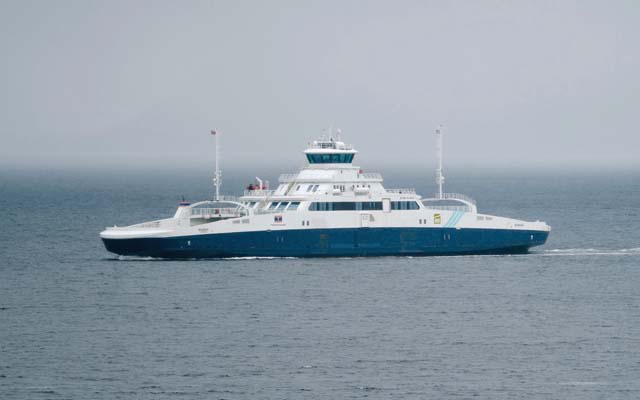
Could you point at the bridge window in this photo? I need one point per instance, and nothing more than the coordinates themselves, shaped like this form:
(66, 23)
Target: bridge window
(293, 206)
(282, 205)
(330, 158)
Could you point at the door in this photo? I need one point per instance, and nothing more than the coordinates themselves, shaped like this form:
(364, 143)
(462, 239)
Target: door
(365, 220)
(386, 205)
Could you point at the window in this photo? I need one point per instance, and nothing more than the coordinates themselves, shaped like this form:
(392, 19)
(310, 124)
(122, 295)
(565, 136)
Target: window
(282, 205)
(309, 188)
(404, 205)
(327, 158)
(273, 205)
(346, 206)
(293, 206)
(371, 205)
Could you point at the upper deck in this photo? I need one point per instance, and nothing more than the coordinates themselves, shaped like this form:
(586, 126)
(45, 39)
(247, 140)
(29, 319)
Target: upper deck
(331, 176)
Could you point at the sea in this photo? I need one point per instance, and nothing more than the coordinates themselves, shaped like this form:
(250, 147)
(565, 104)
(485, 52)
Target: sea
(77, 322)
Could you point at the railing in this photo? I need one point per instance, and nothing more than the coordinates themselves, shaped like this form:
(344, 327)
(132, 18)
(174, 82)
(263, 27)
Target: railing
(402, 191)
(154, 224)
(371, 175)
(267, 211)
(329, 144)
(218, 212)
(455, 196)
(258, 193)
(227, 198)
(286, 178)
(448, 208)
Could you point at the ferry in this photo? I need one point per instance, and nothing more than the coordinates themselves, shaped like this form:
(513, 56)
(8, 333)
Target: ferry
(330, 208)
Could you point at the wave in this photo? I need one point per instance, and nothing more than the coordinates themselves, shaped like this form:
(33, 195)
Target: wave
(581, 383)
(257, 258)
(138, 258)
(589, 252)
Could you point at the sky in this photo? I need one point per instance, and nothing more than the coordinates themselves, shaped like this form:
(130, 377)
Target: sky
(138, 84)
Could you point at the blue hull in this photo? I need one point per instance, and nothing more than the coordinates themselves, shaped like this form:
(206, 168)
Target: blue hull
(345, 242)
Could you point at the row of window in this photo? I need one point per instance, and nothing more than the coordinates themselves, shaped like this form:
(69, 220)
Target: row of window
(284, 205)
(404, 205)
(346, 206)
(361, 206)
(310, 188)
(330, 158)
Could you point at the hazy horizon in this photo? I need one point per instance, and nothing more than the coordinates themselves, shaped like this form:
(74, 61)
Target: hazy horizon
(140, 84)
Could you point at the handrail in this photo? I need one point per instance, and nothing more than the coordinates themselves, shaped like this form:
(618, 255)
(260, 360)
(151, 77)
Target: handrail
(268, 211)
(371, 175)
(454, 196)
(258, 193)
(152, 224)
(286, 178)
(222, 199)
(329, 144)
(402, 191)
(226, 197)
(218, 211)
(448, 208)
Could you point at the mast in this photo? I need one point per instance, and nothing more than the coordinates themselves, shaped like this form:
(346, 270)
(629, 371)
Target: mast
(439, 176)
(217, 175)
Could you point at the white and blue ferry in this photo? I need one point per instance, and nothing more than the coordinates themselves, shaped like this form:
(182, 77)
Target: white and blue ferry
(330, 208)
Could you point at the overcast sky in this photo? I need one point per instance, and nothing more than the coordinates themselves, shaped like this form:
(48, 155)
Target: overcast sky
(138, 83)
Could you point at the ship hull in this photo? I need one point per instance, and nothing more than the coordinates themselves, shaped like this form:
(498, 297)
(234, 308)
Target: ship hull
(344, 242)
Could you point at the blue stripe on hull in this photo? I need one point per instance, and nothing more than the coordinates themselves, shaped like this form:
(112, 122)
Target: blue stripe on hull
(344, 242)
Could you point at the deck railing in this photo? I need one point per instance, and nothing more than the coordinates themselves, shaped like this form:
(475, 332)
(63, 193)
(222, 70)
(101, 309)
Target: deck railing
(402, 191)
(455, 196)
(327, 144)
(218, 212)
(153, 224)
(228, 198)
(371, 175)
(448, 208)
(286, 178)
(258, 193)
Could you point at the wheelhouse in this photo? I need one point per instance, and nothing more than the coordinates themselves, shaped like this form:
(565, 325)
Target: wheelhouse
(329, 152)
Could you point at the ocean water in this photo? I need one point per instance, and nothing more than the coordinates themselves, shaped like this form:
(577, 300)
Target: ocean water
(77, 322)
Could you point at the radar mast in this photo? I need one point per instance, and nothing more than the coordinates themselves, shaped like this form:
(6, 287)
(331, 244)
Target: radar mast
(439, 176)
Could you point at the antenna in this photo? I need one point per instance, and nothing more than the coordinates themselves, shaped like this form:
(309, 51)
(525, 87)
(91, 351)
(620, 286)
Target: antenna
(217, 175)
(439, 176)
